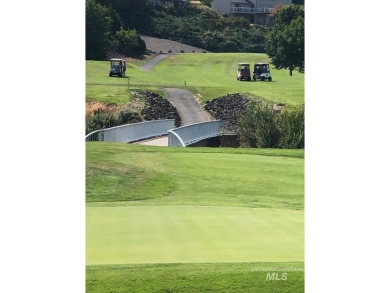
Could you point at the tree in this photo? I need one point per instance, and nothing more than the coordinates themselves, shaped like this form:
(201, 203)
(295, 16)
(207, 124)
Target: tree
(206, 2)
(286, 41)
(97, 28)
(298, 2)
(229, 46)
(276, 10)
(128, 42)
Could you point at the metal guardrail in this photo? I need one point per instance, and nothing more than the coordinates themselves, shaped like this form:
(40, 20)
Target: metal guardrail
(132, 132)
(241, 10)
(189, 134)
(263, 10)
(96, 135)
(250, 10)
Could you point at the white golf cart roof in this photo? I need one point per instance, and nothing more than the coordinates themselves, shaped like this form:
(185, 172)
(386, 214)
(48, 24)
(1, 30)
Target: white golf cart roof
(116, 59)
(261, 63)
(243, 64)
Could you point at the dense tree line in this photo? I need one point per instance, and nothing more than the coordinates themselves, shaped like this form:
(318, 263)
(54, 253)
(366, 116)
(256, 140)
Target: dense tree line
(113, 25)
(203, 27)
(108, 21)
(106, 31)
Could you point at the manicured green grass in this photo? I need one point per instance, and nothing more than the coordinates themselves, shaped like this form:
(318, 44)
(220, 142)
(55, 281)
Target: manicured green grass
(192, 234)
(100, 87)
(182, 278)
(193, 176)
(206, 75)
(111, 94)
(162, 219)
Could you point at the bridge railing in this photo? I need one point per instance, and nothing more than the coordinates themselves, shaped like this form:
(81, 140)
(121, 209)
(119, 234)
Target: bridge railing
(189, 134)
(132, 132)
(250, 10)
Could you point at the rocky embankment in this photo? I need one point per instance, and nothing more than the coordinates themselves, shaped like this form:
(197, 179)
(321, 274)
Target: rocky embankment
(227, 108)
(158, 108)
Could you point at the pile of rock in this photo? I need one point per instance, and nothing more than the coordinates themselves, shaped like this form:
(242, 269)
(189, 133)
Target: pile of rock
(158, 108)
(228, 108)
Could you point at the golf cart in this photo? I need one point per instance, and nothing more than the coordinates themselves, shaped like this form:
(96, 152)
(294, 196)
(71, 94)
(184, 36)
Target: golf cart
(243, 71)
(261, 71)
(118, 67)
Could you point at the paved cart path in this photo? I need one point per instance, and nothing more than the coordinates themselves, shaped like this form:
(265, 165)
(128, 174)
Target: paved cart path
(160, 141)
(149, 65)
(189, 110)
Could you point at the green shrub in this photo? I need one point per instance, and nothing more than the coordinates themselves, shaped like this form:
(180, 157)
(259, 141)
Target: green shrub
(128, 42)
(292, 127)
(258, 126)
(126, 116)
(100, 120)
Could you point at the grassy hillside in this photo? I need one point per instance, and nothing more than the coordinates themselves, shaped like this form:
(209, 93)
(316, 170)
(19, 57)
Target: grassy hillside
(205, 75)
(141, 175)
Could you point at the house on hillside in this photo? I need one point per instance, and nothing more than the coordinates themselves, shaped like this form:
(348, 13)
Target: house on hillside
(255, 11)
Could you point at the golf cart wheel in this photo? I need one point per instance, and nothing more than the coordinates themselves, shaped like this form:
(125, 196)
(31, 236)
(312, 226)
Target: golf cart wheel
(270, 79)
(254, 78)
(249, 78)
(262, 78)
